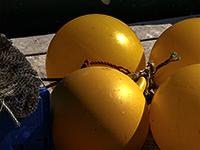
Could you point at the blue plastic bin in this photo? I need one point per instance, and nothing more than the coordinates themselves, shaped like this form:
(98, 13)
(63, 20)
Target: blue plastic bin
(34, 132)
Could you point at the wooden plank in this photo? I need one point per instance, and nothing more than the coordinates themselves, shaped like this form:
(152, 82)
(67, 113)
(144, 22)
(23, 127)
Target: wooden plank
(147, 31)
(147, 45)
(38, 63)
(150, 30)
(165, 21)
(33, 44)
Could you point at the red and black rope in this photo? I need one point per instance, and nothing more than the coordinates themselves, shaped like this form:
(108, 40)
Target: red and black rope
(88, 63)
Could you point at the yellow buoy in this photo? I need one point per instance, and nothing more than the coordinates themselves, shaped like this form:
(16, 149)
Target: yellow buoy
(99, 108)
(183, 38)
(175, 110)
(95, 37)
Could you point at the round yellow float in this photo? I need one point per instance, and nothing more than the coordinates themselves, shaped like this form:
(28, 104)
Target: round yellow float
(175, 110)
(95, 37)
(183, 38)
(99, 108)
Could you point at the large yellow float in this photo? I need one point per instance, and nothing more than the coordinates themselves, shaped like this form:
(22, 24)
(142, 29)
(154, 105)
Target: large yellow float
(175, 110)
(99, 108)
(95, 37)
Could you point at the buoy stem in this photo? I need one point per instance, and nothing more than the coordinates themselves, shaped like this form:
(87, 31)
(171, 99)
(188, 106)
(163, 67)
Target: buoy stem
(170, 59)
(148, 73)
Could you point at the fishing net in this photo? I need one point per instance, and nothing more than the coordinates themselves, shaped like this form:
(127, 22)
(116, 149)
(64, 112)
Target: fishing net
(19, 85)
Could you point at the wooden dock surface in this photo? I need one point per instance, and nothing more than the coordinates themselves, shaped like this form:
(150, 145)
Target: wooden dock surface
(35, 49)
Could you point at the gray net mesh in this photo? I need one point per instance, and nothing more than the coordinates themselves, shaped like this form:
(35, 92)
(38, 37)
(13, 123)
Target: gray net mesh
(19, 90)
